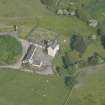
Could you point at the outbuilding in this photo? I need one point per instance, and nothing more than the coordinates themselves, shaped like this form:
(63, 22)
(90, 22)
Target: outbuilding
(53, 48)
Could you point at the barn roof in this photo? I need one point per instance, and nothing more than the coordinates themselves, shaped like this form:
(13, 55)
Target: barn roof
(29, 53)
(52, 43)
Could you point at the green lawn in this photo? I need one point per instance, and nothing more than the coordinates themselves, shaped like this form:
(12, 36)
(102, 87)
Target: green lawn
(96, 46)
(29, 11)
(29, 8)
(20, 88)
(90, 90)
(10, 50)
(65, 25)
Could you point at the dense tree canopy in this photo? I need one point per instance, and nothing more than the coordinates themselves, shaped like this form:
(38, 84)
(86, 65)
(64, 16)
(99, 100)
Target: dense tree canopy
(78, 43)
(95, 59)
(70, 81)
(101, 29)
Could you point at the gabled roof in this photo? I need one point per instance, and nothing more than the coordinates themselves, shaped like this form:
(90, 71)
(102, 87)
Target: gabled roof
(52, 43)
(29, 53)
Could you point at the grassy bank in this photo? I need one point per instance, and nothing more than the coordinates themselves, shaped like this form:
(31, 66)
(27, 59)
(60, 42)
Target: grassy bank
(10, 50)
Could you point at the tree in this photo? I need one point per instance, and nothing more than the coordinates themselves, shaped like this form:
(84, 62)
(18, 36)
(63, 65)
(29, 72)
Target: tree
(70, 81)
(66, 61)
(95, 59)
(101, 28)
(78, 43)
(73, 57)
(103, 41)
(70, 59)
(101, 32)
(58, 69)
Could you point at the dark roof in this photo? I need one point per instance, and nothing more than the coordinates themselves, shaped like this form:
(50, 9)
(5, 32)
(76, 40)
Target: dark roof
(52, 43)
(41, 57)
(29, 52)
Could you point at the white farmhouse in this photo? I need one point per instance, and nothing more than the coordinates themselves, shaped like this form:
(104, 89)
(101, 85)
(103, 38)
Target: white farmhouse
(36, 56)
(53, 48)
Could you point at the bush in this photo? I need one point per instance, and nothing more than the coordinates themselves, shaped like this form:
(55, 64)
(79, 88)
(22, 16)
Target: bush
(78, 43)
(95, 59)
(101, 29)
(70, 81)
(103, 41)
(66, 61)
(71, 59)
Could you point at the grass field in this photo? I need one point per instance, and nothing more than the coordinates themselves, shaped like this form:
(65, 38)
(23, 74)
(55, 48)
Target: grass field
(28, 8)
(94, 47)
(28, 12)
(90, 90)
(20, 88)
(98, 10)
(10, 50)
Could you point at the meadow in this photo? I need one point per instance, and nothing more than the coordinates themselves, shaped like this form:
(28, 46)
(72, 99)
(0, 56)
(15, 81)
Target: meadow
(20, 88)
(90, 89)
(10, 50)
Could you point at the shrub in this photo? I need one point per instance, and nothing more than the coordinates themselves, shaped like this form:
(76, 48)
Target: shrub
(101, 29)
(66, 61)
(70, 81)
(103, 41)
(78, 43)
(95, 59)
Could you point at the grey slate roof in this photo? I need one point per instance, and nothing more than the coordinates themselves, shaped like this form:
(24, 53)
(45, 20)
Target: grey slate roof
(29, 53)
(52, 43)
(41, 57)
